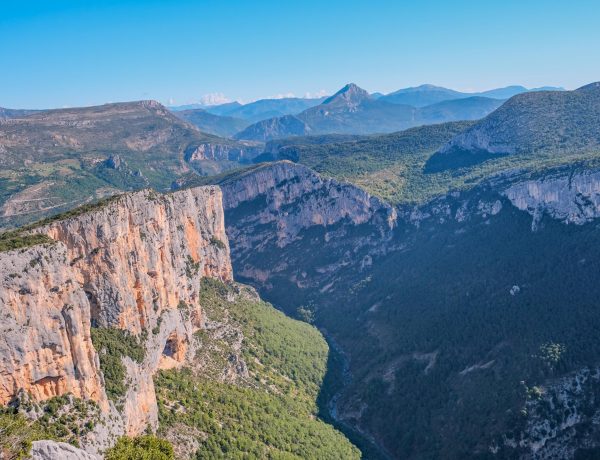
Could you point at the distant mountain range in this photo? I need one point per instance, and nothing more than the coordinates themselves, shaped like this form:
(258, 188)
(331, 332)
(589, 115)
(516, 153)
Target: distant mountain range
(545, 120)
(421, 96)
(416, 97)
(269, 108)
(257, 110)
(352, 110)
(210, 123)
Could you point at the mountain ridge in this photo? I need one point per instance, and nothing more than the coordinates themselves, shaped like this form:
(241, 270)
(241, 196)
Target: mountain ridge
(558, 121)
(352, 110)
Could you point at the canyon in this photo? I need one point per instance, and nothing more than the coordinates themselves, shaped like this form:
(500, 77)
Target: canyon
(367, 272)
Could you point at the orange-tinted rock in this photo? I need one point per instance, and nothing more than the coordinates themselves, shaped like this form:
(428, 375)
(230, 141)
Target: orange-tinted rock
(135, 264)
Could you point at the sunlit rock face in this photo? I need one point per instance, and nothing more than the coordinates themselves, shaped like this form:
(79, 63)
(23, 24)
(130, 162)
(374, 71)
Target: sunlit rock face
(134, 263)
(568, 197)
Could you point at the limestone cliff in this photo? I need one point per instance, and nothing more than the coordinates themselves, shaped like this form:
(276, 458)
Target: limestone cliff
(46, 347)
(283, 204)
(243, 151)
(571, 197)
(133, 263)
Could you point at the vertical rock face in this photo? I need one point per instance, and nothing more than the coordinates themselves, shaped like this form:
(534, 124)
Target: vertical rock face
(145, 253)
(297, 198)
(568, 197)
(134, 263)
(290, 227)
(45, 345)
(241, 151)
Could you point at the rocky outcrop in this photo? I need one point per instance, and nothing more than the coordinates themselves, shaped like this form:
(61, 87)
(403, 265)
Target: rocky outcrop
(133, 263)
(561, 417)
(324, 202)
(51, 450)
(565, 196)
(239, 151)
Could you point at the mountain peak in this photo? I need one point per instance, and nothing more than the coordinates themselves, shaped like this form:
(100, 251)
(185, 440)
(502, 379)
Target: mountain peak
(349, 94)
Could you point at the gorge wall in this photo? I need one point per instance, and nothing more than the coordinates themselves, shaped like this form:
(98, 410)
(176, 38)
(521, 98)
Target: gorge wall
(404, 292)
(286, 207)
(133, 263)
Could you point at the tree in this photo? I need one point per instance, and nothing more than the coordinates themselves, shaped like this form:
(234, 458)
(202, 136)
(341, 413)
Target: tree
(147, 447)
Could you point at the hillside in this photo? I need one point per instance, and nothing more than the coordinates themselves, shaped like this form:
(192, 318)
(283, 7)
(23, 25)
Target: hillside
(224, 126)
(54, 160)
(470, 108)
(389, 165)
(352, 111)
(274, 128)
(544, 121)
(260, 372)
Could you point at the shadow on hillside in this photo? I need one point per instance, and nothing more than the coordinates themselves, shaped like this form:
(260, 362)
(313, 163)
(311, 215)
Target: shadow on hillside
(456, 159)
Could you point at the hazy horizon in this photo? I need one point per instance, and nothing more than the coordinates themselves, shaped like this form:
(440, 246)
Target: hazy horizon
(68, 53)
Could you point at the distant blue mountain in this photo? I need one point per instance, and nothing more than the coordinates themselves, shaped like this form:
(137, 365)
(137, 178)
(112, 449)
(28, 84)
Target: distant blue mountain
(421, 96)
(264, 108)
(352, 110)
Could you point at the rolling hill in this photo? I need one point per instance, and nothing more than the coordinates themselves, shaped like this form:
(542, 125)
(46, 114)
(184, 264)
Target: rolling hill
(421, 96)
(550, 121)
(55, 159)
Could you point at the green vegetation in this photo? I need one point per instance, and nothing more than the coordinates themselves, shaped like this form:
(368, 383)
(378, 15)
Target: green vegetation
(453, 345)
(16, 435)
(63, 418)
(67, 418)
(539, 121)
(394, 166)
(112, 345)
(145, 447)
(217, 242)
(444, 357)
(270, 412)
(19, 240)
(279, 350)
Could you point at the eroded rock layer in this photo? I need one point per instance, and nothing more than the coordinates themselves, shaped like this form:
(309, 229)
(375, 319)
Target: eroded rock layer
(133, 263)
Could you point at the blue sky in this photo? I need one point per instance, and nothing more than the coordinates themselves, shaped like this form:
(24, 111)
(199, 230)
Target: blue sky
(57, 53)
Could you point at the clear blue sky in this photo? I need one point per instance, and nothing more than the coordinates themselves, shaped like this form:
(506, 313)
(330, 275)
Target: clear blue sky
(58, 53)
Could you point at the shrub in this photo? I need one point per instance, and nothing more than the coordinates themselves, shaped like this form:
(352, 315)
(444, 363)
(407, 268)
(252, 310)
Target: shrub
(145, 447)
(112, 345)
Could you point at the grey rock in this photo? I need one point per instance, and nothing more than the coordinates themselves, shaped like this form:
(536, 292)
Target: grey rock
(51, 450)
